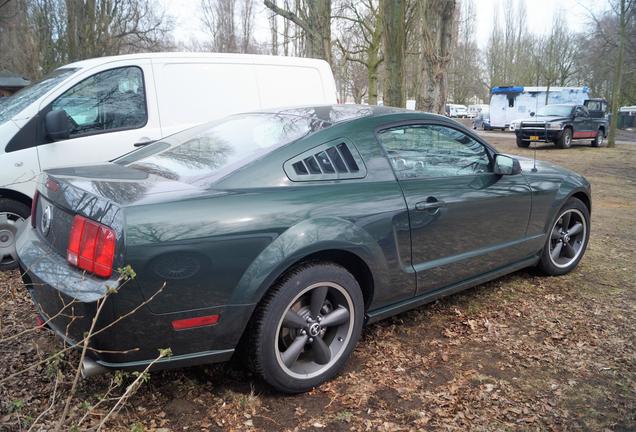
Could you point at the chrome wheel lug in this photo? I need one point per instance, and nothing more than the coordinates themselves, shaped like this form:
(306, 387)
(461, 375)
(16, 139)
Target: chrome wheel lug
(311, 340)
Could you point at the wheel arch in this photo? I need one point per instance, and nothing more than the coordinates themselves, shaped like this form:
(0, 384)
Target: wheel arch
(323, 239)
(584, 197)
(15, 195)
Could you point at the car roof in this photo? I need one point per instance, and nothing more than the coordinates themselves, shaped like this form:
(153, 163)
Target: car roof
(335, 114)
(242, 58)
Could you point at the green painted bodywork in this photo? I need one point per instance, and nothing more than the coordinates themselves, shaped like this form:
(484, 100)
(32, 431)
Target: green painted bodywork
(221, 248)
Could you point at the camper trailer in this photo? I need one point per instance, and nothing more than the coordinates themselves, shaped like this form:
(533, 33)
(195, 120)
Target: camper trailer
(508, 104)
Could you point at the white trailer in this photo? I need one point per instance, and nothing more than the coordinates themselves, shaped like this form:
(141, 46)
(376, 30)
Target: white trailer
(510, 103)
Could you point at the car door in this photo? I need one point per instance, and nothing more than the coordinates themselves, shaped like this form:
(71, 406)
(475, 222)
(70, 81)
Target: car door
(465, 220)
(112, 112)
(582, 123)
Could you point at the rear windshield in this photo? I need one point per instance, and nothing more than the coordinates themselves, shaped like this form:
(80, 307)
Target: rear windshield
(208, 152)
(555, 110)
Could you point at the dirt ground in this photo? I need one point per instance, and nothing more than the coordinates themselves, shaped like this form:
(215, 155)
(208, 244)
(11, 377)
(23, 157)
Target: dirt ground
(524, 352)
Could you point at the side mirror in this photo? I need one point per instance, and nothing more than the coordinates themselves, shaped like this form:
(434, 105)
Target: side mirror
(58, 126)
(506, 165)
(532, 114)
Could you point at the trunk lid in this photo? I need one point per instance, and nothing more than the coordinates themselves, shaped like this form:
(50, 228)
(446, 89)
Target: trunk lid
(100, 193)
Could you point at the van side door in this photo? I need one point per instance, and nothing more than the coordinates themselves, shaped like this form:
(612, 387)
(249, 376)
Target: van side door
(111, 110)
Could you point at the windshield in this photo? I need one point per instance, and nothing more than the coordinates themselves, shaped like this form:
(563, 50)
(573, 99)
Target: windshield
(555, 110)
(12, 105)
(208, 152)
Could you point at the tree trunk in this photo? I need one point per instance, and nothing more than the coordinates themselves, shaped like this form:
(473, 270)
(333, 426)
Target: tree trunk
(393, 12)
(315, 22)
(618, 76)
(437, 29)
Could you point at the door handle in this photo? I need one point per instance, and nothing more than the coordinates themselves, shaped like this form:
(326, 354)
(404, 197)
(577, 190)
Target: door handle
(143, 143)
(431, 203)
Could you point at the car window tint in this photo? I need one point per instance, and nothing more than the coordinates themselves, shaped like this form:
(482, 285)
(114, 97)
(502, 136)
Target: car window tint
(111, 100)
(417, 151)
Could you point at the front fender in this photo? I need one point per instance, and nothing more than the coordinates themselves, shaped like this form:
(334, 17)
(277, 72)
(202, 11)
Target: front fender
(301, 240)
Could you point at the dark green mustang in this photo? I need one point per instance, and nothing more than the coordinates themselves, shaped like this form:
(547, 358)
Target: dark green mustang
(279, 234)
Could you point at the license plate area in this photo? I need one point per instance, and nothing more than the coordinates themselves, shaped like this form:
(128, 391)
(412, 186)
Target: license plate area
(534, 138)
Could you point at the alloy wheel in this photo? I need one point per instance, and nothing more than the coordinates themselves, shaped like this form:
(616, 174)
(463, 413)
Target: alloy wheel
(567, 238)
(315, 330)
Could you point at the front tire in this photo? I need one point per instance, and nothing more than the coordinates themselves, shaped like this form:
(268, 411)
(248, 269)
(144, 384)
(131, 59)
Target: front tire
(306, 327)
(521, 143)
(567, 239)
(12, 215)
(565, 141)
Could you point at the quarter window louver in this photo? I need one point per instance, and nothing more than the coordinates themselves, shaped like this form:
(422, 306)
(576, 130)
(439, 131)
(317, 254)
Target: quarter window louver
(331, 161)
(348, 157)
(335, 157)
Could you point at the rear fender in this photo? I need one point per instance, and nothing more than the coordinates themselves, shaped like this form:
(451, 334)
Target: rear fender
(300, 241)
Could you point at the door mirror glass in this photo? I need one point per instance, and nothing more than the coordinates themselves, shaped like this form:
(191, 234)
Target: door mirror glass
(58, 125)
(506, 165)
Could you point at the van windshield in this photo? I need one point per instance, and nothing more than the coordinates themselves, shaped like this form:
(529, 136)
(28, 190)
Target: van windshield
(12, 105)
(205, 153)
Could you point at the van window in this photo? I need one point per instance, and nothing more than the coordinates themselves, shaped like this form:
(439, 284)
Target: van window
(111, 100)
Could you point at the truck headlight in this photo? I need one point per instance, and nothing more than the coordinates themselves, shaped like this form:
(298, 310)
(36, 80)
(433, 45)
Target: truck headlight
(515, 125)
(554, 126)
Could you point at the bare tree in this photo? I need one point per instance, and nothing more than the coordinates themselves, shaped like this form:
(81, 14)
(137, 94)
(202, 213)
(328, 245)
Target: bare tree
(361, 40)
(464, 70)
(437, 26)
(40, 35)
(314, 18)
(625, 12)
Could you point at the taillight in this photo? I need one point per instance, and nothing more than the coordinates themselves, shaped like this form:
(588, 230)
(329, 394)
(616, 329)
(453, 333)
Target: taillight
(91, 246)
(34, 206)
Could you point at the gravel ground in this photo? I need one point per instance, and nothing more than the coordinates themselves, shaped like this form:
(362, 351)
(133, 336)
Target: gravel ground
(523, 352)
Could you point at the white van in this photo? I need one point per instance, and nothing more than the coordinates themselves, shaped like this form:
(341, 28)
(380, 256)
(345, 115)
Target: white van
(95, 110)
(456, 111)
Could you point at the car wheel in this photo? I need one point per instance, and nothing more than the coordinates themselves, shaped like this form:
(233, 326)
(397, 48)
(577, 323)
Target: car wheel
(521, 143)
(567, 240)
(12, 215)
(305, 329)
(598, 140)
(566, 139)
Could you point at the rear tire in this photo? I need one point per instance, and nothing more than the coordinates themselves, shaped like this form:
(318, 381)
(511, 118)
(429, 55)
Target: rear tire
(565, 141)
(567, 239)
(523, 144)
(598, 140)
(290, 344)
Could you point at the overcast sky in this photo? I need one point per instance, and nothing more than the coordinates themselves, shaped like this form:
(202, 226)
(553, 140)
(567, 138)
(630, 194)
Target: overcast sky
(539, 14)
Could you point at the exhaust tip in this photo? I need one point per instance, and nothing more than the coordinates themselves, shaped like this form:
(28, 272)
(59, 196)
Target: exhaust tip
(91, 368)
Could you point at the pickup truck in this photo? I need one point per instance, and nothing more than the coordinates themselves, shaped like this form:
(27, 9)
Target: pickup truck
(564, 124)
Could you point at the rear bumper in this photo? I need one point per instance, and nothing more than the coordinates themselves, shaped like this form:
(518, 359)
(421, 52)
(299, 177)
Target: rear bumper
(68, 299)
(543, 134)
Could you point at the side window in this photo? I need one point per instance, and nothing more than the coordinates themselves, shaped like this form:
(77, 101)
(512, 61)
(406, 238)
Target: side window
(420, 151)
(109, 100)
(582, 111)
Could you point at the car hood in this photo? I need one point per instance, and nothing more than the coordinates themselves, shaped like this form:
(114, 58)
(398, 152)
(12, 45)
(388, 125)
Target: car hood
(546, 168)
